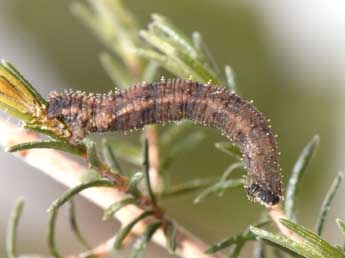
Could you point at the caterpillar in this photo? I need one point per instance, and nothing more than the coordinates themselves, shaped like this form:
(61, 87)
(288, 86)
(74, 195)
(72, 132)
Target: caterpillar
(174, 100)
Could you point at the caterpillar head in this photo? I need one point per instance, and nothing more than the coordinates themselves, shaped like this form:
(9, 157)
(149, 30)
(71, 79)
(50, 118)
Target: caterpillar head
(58, 104)
(265, 197)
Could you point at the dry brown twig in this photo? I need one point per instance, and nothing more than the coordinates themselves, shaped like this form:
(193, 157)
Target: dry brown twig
(68, 172)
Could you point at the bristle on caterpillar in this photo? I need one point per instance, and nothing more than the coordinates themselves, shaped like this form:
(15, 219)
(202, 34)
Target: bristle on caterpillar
(174, 100)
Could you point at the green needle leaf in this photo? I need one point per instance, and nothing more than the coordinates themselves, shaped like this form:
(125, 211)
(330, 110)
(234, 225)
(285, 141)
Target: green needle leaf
(227, 173)
(115, 71)
(187, 187)
(70, 193)
(75, 227)
(230, 149)
(230, 78)
(299, 248)
(327, 202)
(150, 72)
(235, 240)
(341, 225)
(133, 183)
(142, 241)
(170, 232)
(92, 153)
(11, 237)
(167, 63)
(61, 146)
(177, 53)
(110, 158)
(313, 240)
(125, 231)
(229, 242)
(25, 82)
(115, 207)
(54, 208)
(177, 37)
(218, 187)
(297, 173)
(206, 55)
(147, 172)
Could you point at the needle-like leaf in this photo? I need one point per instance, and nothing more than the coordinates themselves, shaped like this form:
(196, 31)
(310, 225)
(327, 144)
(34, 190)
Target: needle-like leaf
(298, 248)
(133, 183)
(147, 172)
(115, 207)
(75, 227)
(54, 208)
(92, 153)
(115, 71)
(187, 187)
(239, 239)
(170, 232)
(230, 149)
(230, 78)
(341, 225)
(297, 173)
(121, 235)
(218, 188)
(62, 146)
(327, 202)
(11, 237)
(313, 240)
(142, 241)
(110, 158)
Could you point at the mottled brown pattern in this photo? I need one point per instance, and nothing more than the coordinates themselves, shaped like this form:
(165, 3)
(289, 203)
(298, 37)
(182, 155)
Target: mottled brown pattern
(173, 100)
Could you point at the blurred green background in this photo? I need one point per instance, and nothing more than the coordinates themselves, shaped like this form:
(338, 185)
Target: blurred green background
(54, 50)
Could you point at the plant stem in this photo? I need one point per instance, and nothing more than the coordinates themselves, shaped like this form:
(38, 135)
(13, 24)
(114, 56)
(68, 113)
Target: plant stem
(68, 172)
(276, 212)
(152, 137)
(147, 173)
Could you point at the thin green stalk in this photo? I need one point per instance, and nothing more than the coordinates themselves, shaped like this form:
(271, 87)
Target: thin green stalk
(125, 231)
(187, 187)
(142, 241)
(132, 186)
(116, 71)
(110, 158)
(92, 153)
(115, 207)
(230, 78)
(147, 172)
(327, 202)
(11, 237)
(75, 227)
(61, 146)
(298, 170)
(54, 208)
(170, 232)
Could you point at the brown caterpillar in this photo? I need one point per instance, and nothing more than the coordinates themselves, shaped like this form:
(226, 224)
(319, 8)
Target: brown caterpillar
(174, 100)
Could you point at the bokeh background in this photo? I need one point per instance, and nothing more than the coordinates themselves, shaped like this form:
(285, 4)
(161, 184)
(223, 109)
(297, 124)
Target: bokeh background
(288, 56)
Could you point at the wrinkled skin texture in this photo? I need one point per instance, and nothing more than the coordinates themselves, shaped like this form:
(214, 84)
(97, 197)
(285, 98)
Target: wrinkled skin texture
(174, 100)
